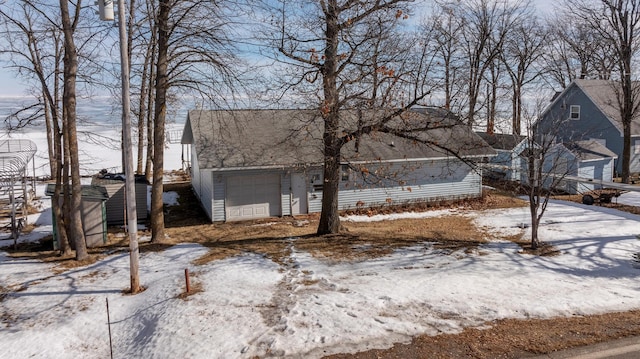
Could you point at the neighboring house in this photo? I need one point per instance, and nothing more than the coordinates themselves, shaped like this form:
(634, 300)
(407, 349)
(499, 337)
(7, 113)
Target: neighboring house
(248, 164)
(589, 110)
(507, 164)
(588, 159)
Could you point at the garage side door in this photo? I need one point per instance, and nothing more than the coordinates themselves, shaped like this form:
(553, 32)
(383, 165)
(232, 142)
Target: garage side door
(250, 197)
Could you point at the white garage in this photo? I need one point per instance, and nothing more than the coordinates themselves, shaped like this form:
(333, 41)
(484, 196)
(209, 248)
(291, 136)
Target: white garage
(251, 197)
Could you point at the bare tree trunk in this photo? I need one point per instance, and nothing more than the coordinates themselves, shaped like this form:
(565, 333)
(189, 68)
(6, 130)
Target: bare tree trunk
(534, 171)
(56, 207)
(627, 110)
(148, 169)
(535, 242)
(626, 152)
(157, 213)
(69, 103)
(329, 217)
(150, 104)
(517, 111)
(142, 111)
(49, 129)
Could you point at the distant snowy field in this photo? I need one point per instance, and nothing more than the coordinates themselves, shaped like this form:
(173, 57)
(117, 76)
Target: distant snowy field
(307, 307)
(99, 134)
(99, 148)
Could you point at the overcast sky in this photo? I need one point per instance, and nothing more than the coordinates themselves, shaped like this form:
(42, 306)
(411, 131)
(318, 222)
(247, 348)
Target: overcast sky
(12, 86)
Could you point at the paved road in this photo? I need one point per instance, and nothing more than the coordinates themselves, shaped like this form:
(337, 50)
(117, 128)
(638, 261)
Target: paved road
(627, 348)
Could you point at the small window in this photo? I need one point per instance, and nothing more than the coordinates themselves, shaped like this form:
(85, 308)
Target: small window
(636, 147)
(574, 112)
(344, 173)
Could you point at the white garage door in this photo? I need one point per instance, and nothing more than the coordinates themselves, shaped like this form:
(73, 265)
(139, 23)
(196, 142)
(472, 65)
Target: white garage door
(250, 197)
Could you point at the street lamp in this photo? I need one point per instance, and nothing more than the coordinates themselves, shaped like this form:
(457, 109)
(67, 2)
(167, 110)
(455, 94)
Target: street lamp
(105, 8)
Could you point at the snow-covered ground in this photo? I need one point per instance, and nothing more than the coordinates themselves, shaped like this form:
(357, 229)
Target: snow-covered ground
(630, 198)
(307, 307)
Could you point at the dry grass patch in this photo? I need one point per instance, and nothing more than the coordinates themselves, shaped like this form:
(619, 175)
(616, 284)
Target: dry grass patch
(514, 338)
(187, 223)
(357, 241)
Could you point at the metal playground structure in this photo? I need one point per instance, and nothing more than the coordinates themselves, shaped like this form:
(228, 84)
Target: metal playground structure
(17, 188)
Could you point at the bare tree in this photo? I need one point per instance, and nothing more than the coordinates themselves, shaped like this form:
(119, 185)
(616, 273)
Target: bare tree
(193, 54)
(443, 28)
(160, 112)
(493, 80)
(547, 166)
(522, 52)
(576, 50)
(485, 25)
(35, 48)
(70, 60)
(351, 57)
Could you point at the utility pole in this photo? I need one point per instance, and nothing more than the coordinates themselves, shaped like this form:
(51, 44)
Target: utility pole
(106, 13)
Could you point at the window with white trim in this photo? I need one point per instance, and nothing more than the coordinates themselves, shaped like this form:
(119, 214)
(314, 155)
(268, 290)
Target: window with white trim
(574, 112)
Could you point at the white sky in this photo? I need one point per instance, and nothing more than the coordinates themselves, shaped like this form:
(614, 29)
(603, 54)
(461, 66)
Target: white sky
(309, 307)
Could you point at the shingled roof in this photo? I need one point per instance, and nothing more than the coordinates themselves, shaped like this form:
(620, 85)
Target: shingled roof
(286, 138)
(501, 141)
(589, 150)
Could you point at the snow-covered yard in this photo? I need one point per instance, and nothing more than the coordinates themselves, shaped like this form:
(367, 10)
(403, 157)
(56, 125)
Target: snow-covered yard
(307, 307)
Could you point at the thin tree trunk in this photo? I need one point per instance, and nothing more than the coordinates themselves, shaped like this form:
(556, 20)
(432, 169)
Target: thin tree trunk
(56, 207)
(534, 226)
(517, 111)
(142, 113)
(57, 173)
(626, 152)
(533, 199)
(148, 169)
(66, 183)
(150, 104)
(627, 117)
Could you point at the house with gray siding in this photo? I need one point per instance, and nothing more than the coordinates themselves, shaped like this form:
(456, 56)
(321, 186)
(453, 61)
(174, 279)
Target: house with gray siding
(508, 162)
(587, 159)
(248, 164)
(589, 110)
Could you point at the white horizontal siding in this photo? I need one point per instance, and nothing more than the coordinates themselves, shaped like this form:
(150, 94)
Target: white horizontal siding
(202, 185)
(426, 182)
(314, 189)
(219, 194)
(285, 194)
